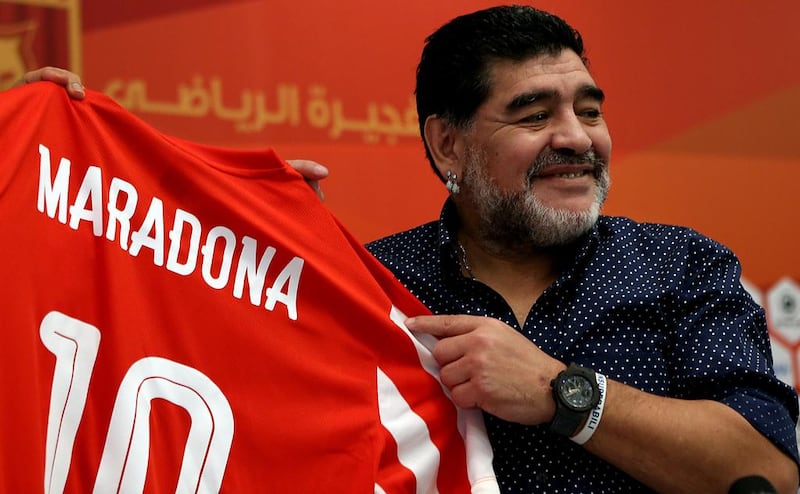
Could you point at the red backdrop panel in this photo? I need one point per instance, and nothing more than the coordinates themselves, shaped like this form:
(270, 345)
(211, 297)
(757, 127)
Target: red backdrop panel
(702, 103)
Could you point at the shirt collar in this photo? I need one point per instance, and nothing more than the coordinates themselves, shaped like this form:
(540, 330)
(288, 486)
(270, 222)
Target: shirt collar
(448, 224)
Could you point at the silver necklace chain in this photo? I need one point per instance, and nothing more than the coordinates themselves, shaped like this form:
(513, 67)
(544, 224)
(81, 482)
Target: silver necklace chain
(464, 260)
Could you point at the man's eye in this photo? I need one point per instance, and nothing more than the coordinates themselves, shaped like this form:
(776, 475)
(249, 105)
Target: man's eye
(535, 118)
(593, 113)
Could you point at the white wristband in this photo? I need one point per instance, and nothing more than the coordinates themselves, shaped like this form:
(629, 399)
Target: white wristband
(594, 416)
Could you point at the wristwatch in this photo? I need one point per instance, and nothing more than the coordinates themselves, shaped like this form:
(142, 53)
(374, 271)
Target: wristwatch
(576, 393)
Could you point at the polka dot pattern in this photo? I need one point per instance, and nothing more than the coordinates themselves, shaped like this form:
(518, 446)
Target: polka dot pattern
(656, 307)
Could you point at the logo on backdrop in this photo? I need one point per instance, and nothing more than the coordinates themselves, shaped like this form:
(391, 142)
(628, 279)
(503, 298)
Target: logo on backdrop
(16, 51)
(782, 305)
(36, 33)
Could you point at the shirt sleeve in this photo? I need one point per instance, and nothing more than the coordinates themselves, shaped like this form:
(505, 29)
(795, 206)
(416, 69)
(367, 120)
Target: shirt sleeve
(722, 349)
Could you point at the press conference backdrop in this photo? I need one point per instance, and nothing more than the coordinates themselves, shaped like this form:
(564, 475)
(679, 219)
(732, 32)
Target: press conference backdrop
(703, 104)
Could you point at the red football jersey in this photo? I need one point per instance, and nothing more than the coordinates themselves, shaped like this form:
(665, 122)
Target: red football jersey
(180, 318)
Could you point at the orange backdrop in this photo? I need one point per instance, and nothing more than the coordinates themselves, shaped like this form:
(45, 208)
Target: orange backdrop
(702, 102)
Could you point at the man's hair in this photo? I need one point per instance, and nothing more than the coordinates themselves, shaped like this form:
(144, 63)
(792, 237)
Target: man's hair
(453, 75)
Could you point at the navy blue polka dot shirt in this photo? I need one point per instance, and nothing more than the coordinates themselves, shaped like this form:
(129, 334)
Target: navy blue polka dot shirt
(657, 307)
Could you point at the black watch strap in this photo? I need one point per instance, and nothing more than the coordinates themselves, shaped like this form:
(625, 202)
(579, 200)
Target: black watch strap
(566, 422)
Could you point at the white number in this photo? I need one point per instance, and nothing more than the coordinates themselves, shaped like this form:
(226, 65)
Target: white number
(75, 344)
(206, 452)
(123, 466)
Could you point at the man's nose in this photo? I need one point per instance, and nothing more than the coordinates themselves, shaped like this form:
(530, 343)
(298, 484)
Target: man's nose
(569, 133)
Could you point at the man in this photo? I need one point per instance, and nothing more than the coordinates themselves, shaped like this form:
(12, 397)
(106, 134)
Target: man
(512, 121)
(674, 389)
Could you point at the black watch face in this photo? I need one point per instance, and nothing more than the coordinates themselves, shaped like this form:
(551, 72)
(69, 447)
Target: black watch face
(577, 392)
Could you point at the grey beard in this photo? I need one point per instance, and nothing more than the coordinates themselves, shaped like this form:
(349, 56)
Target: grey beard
(517, 222)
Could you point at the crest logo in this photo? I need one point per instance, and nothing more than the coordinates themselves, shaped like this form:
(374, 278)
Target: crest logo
(16, 53)
(36, 33)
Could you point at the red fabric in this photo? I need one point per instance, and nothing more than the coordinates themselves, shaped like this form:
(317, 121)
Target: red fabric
(302, 392)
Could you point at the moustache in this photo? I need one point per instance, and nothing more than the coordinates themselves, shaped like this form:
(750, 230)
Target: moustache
(551, 157)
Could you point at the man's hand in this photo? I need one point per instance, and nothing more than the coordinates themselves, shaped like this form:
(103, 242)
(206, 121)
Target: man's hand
(487, 364)
(71, 82)
(313, 172)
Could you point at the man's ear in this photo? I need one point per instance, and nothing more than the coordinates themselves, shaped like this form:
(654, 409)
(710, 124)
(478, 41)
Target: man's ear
(445, 143)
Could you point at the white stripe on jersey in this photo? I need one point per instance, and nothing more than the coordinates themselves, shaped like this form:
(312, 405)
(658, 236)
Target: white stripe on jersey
(470, 422)
(415, 449)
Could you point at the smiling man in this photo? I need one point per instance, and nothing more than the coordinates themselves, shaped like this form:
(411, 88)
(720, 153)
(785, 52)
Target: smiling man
(608, 355)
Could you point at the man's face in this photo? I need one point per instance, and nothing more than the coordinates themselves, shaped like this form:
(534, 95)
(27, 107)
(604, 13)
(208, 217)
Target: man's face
(536, 157)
